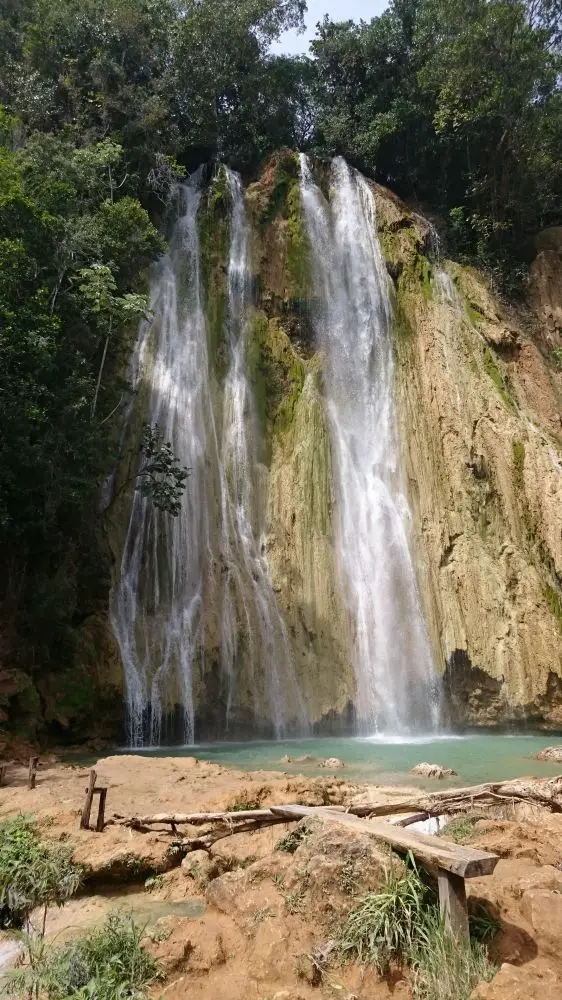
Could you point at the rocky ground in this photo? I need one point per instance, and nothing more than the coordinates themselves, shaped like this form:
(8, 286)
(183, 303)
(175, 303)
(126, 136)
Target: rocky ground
(249, 921)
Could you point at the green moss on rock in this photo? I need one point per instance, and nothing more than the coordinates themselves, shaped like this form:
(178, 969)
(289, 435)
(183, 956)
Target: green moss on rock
(213, 221)
(554, 602)
(298, 249)
(501, 382)
(276, 374)
(281, 247)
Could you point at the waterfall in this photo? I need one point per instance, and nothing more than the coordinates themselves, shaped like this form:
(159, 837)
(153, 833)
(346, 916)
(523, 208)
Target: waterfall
(248, 595)
(156, 607)
(396, 690)
(169, 565)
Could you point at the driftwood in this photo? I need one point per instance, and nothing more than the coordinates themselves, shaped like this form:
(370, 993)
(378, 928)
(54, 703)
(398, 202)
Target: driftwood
(547, 793)
(191, 819)
(206, 840)
(32, 772)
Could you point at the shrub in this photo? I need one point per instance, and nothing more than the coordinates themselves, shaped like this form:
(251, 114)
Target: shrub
(32, 873)
(108, 964)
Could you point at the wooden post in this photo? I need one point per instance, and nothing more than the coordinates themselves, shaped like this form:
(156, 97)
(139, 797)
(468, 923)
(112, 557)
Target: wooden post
(452, 903)
(101, 809)
(3, 772)
(85, 818)
(32, 773)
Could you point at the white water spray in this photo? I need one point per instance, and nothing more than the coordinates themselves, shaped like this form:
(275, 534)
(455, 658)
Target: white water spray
(396, 689)
(156, 610)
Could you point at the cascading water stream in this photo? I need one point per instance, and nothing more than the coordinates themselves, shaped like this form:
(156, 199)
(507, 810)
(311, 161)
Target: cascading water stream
(156, 608)
(396, 688)
(169, 564)
(247, 590)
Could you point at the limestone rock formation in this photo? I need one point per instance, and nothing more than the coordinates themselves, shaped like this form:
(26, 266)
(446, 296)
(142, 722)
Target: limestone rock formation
(479, 398)
(424, 770)
(550, 753)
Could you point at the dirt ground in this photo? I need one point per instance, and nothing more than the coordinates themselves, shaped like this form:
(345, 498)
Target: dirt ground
(248, 922)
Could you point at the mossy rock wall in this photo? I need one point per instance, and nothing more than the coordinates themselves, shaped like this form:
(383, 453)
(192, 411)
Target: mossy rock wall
(479, 407)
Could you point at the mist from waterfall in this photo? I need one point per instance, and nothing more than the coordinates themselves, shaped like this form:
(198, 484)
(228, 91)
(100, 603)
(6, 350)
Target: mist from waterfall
(156, 607)
(396, 687)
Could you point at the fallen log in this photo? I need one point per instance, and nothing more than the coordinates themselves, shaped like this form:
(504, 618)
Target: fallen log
(545, 792)
(192, 819)
(206, 840)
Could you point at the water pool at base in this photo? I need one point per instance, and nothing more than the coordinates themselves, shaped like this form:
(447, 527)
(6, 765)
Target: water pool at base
(476, 758)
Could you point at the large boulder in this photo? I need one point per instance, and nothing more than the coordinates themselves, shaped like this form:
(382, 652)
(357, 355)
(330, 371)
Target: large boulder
(424, 770)
(550, 753)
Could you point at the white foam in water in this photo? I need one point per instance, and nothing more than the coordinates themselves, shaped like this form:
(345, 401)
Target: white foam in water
(392, 739)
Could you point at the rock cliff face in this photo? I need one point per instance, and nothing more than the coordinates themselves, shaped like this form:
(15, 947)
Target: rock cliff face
(479, 403)
(479, 391)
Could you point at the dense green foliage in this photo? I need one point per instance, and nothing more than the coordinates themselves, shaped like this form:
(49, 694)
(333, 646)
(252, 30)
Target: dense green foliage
(456, 103)
(32, 873)
(107, 963)
(105, 104)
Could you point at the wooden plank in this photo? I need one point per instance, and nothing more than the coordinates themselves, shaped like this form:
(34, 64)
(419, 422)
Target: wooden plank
(101, 809)
(32, 772)
(85, 817)
(464, 861)
(452, 903)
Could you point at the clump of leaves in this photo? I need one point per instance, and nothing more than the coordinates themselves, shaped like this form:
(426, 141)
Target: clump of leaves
(108, 964)
(32, 873)
(382, 927)
(161, 478)
(460, 828)
(483, 925)
(293, 839)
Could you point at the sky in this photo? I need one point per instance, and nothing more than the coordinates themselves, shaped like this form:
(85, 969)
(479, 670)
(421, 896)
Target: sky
(339, 10)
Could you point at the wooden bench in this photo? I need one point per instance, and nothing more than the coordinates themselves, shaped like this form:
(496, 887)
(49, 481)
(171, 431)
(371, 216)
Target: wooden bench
(450, 863)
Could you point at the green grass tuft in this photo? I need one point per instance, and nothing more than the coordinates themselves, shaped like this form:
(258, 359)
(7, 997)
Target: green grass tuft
(401, 923)
(460, 828)
(382, 927)
(444, 968)
(293, 838)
